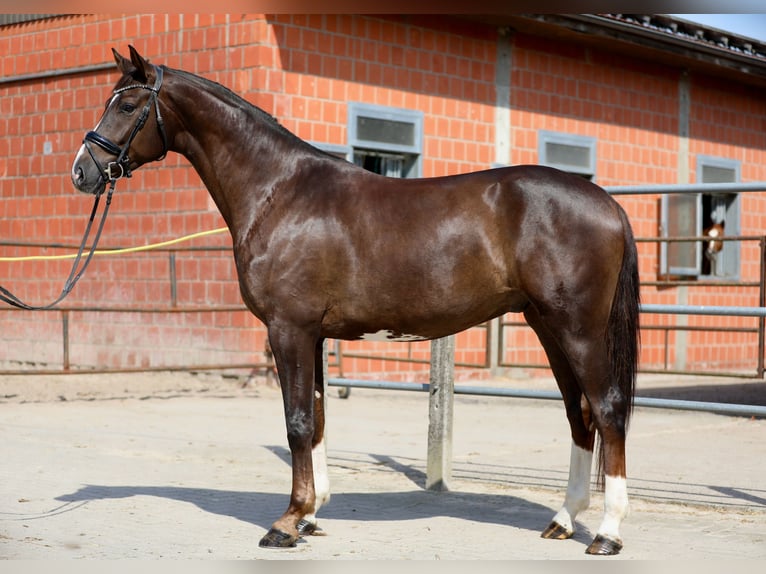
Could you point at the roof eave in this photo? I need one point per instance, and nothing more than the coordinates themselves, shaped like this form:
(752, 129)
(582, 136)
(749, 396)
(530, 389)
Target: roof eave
(645, 42)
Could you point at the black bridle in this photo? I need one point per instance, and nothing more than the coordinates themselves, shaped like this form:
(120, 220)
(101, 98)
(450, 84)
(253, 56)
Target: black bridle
(108, 174)
(122, 161)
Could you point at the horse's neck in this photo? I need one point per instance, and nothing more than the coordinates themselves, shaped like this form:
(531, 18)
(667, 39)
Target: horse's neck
(234, 151)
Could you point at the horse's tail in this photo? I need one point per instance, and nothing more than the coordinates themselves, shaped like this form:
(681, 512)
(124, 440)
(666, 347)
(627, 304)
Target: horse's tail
(622, 333)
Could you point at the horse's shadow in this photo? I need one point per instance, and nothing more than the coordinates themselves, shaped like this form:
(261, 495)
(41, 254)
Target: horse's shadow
(262, 508)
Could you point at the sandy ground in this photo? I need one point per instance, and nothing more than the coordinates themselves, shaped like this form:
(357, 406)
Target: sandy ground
(178, 465)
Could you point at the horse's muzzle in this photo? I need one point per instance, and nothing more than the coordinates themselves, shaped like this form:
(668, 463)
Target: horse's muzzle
(85, 174)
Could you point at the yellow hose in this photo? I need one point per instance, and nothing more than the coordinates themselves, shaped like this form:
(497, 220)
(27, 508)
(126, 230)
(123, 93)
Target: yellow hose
(119, 251)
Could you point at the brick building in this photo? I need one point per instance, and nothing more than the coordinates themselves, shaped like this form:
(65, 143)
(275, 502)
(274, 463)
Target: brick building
(619, 99)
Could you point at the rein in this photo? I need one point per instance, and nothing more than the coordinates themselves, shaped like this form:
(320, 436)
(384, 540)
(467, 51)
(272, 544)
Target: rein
(108, 175)
(74, 276)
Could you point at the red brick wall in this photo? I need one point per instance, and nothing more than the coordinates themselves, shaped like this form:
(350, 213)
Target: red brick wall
(729, 121)
(631, 107)
(304, 70)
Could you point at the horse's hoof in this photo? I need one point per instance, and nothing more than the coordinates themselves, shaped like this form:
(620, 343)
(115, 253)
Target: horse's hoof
(604, 546)
(306, 528)
(556, 532)
(277, 539)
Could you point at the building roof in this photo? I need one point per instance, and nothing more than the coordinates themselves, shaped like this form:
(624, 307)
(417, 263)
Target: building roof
(657, 37)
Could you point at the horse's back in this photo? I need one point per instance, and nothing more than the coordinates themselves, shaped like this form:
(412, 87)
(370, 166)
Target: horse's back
(501, 194)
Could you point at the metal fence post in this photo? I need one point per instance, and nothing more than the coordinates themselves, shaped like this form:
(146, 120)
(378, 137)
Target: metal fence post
(761, 303)
(441, 392)
(65, 339)
(173, 279)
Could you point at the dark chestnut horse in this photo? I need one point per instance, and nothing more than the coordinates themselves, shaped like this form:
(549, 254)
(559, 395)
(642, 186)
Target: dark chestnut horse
(325, 249)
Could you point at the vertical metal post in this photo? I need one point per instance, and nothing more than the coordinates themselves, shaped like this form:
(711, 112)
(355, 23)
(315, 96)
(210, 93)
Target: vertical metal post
(65, 338)
(440, 408)
(500, 341)
(325, 376)
(492, 351)
(503, 69)
(762, 303)
(173, 284)
(684, 126)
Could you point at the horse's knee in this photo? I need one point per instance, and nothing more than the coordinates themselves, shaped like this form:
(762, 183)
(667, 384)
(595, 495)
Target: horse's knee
(300, 429)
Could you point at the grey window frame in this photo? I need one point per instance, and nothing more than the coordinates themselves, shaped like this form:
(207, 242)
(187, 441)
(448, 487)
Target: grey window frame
(413, 152)
(545, 137)
(667, 229)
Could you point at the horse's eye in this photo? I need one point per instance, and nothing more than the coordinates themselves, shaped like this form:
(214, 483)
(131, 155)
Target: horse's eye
(127, 108)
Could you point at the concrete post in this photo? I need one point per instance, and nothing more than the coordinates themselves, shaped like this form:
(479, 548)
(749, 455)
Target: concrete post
(441, 392)
(684, 108)
(325, 376)
(503, 99)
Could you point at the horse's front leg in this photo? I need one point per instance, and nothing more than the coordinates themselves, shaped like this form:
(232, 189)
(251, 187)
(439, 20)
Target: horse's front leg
(294, 353)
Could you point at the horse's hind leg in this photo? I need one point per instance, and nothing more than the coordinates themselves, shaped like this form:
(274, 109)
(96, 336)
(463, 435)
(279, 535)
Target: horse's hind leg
(577, 496)
(308, 524)
(580, 355)
(609, 410)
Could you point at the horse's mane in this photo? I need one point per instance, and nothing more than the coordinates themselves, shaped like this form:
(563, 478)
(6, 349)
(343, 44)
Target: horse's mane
(235, 100)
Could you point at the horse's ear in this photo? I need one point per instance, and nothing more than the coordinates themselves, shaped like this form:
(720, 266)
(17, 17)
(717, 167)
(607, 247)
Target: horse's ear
(140, 63)
(125, 66)
(135, 67)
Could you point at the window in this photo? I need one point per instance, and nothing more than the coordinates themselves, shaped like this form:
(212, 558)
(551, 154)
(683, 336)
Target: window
(388, 141)
(570, 153)
(696, 214)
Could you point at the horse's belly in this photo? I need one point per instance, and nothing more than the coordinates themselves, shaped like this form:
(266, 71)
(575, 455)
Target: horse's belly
(417, 318)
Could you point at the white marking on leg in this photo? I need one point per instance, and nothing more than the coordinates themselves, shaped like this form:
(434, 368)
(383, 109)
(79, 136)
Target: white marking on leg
(577, 497)
(388, 336)
(616, 507)
(321, 478)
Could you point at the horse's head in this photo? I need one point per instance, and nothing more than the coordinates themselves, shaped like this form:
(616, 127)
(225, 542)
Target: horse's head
(130, 132)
